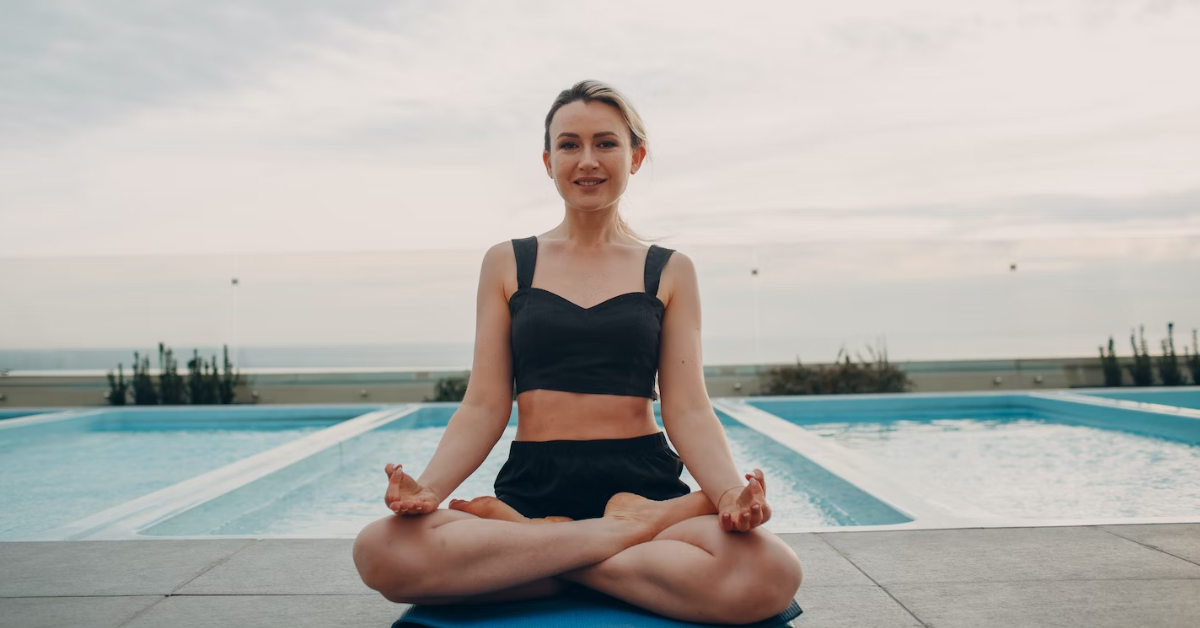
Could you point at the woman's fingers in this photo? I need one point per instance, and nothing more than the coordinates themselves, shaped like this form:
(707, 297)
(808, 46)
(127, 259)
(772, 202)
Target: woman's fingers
(756, 515)
(726, 522)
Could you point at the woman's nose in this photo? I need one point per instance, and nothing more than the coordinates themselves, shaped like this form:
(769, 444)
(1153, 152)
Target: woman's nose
(588, 159)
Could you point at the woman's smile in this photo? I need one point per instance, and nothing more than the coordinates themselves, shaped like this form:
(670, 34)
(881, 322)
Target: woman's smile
(589, 182)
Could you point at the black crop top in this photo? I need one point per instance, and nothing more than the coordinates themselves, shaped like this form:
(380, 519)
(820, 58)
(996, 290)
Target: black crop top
(610, 348)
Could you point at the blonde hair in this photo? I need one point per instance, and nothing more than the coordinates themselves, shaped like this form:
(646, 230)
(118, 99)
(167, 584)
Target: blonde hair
(597, 91)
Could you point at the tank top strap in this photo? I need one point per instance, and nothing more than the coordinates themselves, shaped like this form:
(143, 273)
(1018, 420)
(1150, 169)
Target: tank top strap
(526, 251)
(656, 258)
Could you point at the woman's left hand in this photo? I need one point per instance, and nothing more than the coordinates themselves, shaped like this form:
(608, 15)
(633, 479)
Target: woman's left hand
(747, 509)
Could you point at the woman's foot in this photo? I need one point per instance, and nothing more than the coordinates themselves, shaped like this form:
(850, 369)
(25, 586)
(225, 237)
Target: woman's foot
(488, 507)
(657, 516)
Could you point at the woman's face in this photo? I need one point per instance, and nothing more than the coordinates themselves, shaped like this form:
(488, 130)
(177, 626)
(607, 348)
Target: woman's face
(591, 156)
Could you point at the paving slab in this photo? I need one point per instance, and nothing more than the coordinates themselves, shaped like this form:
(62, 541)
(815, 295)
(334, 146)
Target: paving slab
(851, 607)
(274, 611)
(1177, 539)
(821, 564)
(1065, 604)
(74, 568)
(284, 566)
(1005, 554)
(71, 612)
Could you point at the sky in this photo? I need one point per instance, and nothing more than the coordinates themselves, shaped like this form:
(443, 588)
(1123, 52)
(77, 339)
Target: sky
(243, 129)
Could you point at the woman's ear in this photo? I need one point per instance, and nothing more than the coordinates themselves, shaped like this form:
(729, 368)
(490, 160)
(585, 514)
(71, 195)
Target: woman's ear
(639, 154)
(546, 160)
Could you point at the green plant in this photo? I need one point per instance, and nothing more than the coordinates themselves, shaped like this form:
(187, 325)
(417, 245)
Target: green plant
(844, 376)
(1193, 359)
(144, 393)
(1168, 364)
(170, 383)
(118, 388)
(450, 389)
(228, 383)
(1141, 370)
(1112, 369)
(199, 381)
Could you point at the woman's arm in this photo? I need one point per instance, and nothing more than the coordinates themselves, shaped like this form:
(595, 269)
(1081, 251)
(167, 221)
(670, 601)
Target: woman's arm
(480, 421)
(686, 411)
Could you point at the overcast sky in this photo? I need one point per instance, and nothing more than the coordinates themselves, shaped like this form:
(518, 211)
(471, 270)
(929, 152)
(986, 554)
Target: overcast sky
(169, 127)
(250, 128)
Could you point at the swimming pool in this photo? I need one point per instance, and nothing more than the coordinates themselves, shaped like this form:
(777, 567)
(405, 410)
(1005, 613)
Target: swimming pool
(58, 468)
(1179, 396)
(865, 462)
(340, 491)
(1012, 459)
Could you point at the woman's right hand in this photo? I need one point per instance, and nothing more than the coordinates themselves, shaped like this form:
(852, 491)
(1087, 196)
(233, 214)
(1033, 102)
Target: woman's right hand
(404, 496)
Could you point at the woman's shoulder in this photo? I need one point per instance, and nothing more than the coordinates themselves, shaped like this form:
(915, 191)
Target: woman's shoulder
(500, 260)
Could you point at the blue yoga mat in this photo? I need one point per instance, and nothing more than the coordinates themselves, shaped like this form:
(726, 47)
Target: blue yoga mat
(578, 607)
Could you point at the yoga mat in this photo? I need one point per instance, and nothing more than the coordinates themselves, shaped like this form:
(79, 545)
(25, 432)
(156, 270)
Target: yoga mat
(578, 607)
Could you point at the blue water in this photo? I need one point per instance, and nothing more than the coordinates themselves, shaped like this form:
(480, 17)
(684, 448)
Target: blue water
(53, 474)
(1015, 462)
(15, 414)
(1188, 397)
(339, 492)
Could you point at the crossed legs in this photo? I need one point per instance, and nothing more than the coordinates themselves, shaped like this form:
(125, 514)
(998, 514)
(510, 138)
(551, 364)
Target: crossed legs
(667, 556)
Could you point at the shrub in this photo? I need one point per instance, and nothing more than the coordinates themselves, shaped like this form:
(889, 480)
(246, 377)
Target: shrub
(1168, 364)
(450, 389)
(1112, 369)
(144, 393)
(1193, 359)
(203, 383)
(1141, 371)
(118, 388)
(170, 383)
(876, 375)
(227, 388)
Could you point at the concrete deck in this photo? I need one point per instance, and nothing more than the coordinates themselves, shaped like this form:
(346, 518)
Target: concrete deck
(1095, 576)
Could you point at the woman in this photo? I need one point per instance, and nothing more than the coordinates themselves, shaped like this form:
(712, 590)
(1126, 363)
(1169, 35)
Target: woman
(589, 461)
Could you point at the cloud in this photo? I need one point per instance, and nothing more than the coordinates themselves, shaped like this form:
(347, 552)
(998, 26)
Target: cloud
(153, 128)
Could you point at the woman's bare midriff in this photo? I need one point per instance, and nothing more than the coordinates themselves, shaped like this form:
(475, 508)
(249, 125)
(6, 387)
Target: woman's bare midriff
(558, 415)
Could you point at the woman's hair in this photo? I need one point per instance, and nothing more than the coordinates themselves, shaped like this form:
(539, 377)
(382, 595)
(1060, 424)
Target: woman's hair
(597, 91)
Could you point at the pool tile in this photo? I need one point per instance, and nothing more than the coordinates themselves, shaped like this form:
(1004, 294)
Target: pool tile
(71, 612)
(1067, 604)
(72, 568)
(1177, 539)
(821, 564)
(262, 611)
(851, 607)
(284, 566)
(1005, 554)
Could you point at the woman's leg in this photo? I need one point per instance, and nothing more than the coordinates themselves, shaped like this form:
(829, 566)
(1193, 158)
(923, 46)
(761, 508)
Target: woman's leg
(447, 554)
(694, 571)
(691, 571)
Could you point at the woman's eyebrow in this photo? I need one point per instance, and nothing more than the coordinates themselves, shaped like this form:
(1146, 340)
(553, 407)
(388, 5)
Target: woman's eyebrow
(600, 134)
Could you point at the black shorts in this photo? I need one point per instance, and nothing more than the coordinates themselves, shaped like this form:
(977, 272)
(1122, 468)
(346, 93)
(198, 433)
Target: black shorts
(576, 478)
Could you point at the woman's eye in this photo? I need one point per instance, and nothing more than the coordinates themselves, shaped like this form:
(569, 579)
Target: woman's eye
(566, 145)
(608, 144)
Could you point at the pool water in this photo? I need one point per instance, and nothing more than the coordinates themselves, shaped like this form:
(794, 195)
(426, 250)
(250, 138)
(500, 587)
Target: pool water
(1024, 466)
(339, 493)
(54, 479)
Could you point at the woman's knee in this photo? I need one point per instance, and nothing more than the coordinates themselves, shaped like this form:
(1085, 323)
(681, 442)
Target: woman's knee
(390, 557)
(763, 583)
